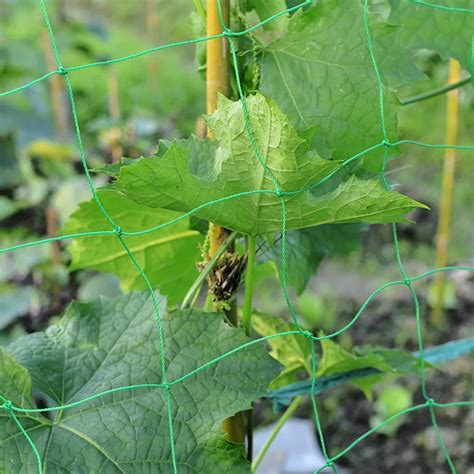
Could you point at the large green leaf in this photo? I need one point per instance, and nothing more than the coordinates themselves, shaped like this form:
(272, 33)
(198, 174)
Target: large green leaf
(447, 32)
(112, 343)
(188, 174)
(167, 256)
(321, 74)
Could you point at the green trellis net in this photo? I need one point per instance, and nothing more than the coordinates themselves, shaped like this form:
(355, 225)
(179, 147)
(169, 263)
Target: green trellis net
(384, 145)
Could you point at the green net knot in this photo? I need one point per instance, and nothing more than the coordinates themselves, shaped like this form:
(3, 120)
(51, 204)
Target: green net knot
(407, 282)
(307, 334)
(167, 386)
(228, 32)
(430, 402)
(7, 405)
(118, 230)
(279, 193)
(386, 143)
(62, 71)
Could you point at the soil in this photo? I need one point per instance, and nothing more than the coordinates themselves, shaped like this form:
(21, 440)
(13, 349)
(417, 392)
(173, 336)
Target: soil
(412, 448)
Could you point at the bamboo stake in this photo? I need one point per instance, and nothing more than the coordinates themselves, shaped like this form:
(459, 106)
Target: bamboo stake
(114, 111)
(151, 8)
(445, 205)
(56, 89)
(61, 121)
(217, 82)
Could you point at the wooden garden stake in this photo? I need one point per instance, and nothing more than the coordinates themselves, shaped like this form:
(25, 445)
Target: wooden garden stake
(445, 205)
(114, 111)
(217, 82)
(61, 121)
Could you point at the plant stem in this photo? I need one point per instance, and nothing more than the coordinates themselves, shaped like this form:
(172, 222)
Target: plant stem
(207, 269)
(445, 205)
(247, 325)
(283, 419)
(200, 9)
(435, 92)
(249, 276)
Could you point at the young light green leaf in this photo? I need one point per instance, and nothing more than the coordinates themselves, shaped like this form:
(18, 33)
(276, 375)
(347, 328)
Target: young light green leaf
(114, 342)
(447, 32)
(189, 174)
(321, 74)
(292, 351)
(335, 359)
(167, 256)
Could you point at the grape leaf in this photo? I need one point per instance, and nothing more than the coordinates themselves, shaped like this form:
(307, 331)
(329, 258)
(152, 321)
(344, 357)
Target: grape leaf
(167, 256)
(189, 174)
(114, 342)
(321, 74)
(447, 32)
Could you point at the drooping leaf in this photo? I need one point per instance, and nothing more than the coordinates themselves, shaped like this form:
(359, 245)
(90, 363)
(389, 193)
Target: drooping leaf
(447, 32)
(168, 256)
(189, 174)
(306, 248)
(321, 74)
(292, 351)
(335, 359)
(266, 9)
(112, 343)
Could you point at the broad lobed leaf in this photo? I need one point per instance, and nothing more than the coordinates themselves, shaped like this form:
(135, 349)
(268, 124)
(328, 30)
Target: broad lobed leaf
(111, 343)
(321, 74)
(191, 173)
(447, 32)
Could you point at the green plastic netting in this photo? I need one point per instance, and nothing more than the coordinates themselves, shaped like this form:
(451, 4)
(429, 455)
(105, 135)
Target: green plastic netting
(167, 385)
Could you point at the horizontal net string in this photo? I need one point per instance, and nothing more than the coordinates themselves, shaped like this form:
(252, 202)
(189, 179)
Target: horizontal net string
(121, 231)
(64, 70)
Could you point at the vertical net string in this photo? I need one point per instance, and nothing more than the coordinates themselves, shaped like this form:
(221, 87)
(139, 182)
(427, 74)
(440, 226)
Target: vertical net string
(118, 232)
